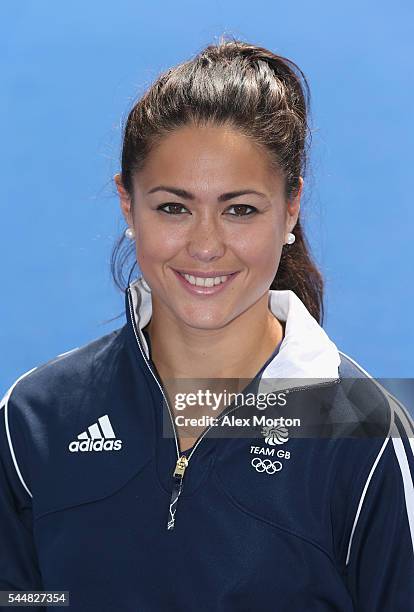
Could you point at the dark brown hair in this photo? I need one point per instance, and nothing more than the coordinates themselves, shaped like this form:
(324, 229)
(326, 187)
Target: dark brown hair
(263, 95)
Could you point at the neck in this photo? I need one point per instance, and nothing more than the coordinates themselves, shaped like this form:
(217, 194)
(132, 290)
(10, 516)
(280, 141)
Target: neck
(237, 350)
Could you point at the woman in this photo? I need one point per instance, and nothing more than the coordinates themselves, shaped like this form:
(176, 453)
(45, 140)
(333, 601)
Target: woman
(107, 492)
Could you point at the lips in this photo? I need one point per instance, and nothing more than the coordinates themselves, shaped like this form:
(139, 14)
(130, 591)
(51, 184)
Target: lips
(202, 290)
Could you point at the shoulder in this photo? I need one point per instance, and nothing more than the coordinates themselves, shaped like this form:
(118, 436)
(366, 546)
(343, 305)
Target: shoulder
(361, 403)
(68, 372)
(372, 427)
(49, 398)
(373, 402)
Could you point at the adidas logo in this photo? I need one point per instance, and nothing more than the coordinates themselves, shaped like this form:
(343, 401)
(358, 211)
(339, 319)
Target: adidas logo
(97, 438)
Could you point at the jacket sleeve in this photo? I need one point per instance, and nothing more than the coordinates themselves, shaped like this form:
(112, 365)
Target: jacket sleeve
(380, 553)
(18, 560)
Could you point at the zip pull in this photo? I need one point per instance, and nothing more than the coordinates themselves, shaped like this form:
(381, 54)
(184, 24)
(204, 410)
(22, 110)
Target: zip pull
(178, 476)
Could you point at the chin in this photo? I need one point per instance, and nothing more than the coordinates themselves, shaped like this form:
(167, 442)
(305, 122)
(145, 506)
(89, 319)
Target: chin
(203, 321)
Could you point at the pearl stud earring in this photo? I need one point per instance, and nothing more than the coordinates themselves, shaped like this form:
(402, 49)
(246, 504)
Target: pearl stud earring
(290, 238)
(130, 233)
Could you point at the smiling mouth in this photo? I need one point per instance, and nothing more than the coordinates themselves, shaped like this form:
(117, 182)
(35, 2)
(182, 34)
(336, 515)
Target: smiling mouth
(210, 281)
(205, 284)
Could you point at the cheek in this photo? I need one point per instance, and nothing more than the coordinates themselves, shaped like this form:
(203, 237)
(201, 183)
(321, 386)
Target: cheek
(156, 243)
(258, 247)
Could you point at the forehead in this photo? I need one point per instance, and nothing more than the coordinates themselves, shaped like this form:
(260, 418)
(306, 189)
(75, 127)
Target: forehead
(208, 158)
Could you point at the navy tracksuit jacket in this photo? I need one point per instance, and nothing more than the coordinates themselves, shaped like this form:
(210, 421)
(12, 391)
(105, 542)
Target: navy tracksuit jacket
(268, 520)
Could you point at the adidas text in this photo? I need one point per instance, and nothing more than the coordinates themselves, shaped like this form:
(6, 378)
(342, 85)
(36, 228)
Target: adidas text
(94, 445)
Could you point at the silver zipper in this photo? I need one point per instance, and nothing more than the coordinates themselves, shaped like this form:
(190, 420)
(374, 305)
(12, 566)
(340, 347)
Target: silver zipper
(183, 460)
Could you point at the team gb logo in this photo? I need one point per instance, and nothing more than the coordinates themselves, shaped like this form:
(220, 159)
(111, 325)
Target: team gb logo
(275, 434)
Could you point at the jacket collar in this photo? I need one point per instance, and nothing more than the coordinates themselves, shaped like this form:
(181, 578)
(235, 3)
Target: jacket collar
(306, 351)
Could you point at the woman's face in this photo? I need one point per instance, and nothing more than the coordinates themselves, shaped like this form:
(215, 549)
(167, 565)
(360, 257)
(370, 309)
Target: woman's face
(188, 218)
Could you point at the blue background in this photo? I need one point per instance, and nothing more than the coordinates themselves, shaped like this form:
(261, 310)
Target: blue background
(70, 74)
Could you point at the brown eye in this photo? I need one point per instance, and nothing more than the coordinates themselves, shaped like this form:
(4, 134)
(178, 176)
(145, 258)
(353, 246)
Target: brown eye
(175, 207)
(243, 207)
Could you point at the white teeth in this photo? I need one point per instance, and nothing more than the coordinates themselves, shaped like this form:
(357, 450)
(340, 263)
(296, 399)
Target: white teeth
(205, 282)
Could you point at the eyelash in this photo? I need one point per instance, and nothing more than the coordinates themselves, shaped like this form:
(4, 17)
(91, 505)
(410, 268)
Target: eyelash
(254, 209)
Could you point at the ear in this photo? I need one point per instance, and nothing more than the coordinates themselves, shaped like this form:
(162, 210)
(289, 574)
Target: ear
(124, 200)
(293, 208)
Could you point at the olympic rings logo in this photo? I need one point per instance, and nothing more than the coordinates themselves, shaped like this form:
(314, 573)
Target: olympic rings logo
(265, 465)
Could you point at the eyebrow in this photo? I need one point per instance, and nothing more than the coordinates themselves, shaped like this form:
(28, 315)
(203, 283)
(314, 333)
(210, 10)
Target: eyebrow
(182, 193)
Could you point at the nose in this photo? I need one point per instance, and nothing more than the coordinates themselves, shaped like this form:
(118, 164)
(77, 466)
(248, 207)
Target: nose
(205, 242)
